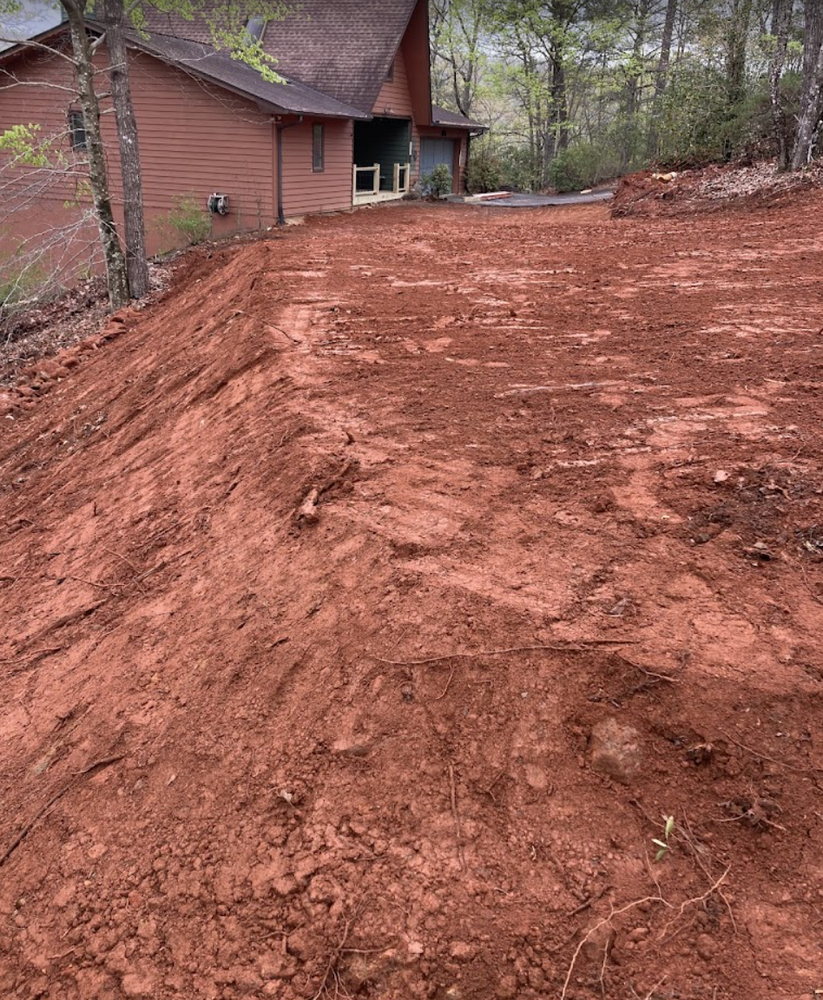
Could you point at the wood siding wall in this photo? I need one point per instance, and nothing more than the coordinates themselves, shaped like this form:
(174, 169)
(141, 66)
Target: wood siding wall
(394, 99)
(306, 191)
(194, 140)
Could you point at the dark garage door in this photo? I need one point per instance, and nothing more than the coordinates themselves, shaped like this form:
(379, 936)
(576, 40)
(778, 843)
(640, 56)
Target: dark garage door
(434, 151)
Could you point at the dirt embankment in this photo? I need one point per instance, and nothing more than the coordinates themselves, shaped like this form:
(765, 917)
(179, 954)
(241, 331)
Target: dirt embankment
(371, 598)
(711, 189)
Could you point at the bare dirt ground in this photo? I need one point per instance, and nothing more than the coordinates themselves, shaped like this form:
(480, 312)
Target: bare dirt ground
(370, 598)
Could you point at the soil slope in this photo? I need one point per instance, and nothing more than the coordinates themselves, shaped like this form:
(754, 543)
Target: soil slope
(370, 599)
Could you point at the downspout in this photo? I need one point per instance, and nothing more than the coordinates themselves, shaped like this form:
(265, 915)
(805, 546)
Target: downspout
(281, 219)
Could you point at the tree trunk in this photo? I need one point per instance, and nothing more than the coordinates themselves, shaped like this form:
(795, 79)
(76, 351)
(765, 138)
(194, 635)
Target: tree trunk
(632, 93)
(810, 102)
(661, 78)
(134, 227)
(115, 261)
(737, 38)
(781, 24)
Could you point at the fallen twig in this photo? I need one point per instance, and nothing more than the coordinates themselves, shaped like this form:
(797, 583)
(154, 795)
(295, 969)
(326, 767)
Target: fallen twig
(772, 760)
(332, 962)
(603, 923)
(456, 815)
(38, 654)
(577, 646)
(94, 767)
(445, 690)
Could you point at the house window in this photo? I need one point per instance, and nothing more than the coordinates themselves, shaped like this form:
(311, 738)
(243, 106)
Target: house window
(318, 149)
(390, 74)
(77, 131)
(255, 26)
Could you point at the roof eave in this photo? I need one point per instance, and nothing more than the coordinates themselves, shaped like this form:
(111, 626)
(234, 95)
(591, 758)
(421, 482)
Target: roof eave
(272, 106)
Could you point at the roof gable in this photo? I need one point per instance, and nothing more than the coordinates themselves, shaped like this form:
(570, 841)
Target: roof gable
(341, 47)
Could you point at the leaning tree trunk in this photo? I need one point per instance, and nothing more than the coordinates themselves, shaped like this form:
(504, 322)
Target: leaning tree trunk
(811, 103)
(134, 228)
(781, 23)
(115, 261)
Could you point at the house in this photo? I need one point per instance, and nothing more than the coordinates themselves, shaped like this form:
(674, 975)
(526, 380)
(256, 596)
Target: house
(350, 124)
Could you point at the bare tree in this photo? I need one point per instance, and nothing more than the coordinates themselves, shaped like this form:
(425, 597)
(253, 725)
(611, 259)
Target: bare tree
(83, 53)
(811, 101)
(781, 25)
(133, 222)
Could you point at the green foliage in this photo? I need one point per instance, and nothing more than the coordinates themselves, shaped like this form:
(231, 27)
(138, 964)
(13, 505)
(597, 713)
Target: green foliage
(188, 222)
(27, 148)
(22, 278)
(483, 172)
(583, 165)
(663, 844)
(518, 168)
(227, 25)
(439, 182)
(697, 126)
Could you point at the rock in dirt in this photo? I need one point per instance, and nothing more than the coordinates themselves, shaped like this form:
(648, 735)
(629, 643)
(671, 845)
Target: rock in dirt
(615, 750)
(307, 511)
(598, 944)
(706, 948)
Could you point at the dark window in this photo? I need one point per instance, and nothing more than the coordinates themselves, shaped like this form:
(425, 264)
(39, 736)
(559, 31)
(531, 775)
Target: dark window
(318, 150)
(255, 26)
(77, 131)
(390, 74)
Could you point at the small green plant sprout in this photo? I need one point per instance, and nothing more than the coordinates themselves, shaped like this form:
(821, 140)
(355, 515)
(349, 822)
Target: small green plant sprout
(663, 845)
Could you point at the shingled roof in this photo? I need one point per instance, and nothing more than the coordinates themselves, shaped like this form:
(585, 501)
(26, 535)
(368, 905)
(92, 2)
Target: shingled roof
(341, 47)
(442, 116)
(205, 62)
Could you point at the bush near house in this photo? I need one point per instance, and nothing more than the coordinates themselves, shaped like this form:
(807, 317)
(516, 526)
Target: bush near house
(187, 223)
(438, 183)
(483, 172)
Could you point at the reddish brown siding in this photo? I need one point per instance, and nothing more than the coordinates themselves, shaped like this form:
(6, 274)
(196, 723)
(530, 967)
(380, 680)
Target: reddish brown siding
(193, 140)
(394, 99)
(305, 191)
(197, 140)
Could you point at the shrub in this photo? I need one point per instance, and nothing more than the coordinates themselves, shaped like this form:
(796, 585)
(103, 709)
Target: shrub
(24, 279)
(698, 126)
(188, 220)
(438, 182)
(483, 172)
(583, 165)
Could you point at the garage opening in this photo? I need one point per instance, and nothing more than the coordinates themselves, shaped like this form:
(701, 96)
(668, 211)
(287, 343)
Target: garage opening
(436, 151)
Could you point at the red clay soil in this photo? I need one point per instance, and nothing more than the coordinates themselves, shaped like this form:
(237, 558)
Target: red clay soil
(572, 466)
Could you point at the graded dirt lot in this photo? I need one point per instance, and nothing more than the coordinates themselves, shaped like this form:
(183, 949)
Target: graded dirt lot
(370, 598)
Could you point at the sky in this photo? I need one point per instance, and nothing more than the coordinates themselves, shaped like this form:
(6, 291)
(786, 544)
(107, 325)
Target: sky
(33, 17)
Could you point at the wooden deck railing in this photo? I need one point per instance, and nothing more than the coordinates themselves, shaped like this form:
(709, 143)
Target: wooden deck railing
(401, 181)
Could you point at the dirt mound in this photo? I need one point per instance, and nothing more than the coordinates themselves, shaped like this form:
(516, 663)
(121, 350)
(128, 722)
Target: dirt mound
(710, 189)
(372, 598)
